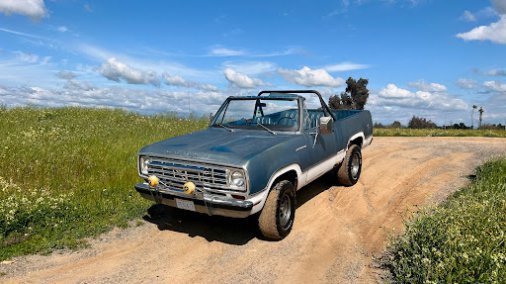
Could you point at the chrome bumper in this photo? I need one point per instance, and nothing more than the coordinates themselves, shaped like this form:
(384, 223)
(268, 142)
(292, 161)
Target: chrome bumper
(209, 204)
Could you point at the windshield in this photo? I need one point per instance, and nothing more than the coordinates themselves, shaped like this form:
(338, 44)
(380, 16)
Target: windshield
(268, 114)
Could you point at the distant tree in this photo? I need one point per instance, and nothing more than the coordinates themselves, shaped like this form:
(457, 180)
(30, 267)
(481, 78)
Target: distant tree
(335, 102)
(459, 126)
(420, 122)
(347, 102)
(354, 97)
(492, 126)
(396, 124)
(378, 125)
(358, 90)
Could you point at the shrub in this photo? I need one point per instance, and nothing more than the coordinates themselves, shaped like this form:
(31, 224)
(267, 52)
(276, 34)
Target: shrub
(420, 122)
(461, 241)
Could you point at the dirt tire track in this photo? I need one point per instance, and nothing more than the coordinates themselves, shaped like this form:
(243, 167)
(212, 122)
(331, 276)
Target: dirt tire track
(337, 232)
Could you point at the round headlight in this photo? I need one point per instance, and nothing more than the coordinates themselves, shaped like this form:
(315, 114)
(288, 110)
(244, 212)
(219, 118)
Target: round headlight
(143, 164)
(236, 178)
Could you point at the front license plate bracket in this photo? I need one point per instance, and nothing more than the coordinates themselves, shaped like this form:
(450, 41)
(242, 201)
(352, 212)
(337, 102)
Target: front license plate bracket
(185, 204)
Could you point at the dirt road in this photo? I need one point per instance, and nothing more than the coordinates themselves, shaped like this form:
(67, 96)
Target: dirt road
(337, 233)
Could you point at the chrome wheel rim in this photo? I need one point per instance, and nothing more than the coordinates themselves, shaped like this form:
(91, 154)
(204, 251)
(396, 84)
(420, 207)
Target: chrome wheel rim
(355, 165)
(285, 210)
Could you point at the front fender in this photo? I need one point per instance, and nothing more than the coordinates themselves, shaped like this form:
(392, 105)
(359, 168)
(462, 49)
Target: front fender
(266, 166)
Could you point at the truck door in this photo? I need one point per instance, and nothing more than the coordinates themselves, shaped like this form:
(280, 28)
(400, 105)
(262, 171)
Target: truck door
(321, 147)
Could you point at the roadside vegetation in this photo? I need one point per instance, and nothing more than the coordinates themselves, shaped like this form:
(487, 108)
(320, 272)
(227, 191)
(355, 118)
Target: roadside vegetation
(68, 173)
(408, 132)
(461, 241)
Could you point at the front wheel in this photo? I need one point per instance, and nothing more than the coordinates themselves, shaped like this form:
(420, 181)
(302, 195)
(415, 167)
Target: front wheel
(277, 216)
(349, 171)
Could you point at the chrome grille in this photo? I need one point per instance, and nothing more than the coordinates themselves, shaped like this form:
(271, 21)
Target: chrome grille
(173, 174)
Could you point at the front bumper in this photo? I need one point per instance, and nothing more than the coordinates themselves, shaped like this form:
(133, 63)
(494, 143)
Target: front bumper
(209, 204)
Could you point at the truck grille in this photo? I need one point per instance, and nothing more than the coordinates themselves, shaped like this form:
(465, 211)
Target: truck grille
(173, 174)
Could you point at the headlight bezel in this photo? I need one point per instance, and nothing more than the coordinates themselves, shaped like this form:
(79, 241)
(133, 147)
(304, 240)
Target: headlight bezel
(143, 165)
(236, 179)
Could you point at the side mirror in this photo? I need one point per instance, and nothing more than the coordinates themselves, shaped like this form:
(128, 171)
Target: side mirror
(325, 125)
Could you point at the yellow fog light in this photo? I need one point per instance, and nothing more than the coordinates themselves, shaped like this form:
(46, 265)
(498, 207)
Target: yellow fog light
(153, 181)
(189, 187)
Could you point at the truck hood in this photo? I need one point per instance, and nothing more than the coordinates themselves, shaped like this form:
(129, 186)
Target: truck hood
(217, 145)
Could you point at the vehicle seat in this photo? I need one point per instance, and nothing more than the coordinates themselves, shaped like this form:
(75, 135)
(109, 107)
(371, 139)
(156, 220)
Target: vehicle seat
(265, 120)
(288, 118)
(313, 119)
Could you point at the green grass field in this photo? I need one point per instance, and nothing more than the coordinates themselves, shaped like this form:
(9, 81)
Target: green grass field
(439, 132)
(461, 241)
(68, 173)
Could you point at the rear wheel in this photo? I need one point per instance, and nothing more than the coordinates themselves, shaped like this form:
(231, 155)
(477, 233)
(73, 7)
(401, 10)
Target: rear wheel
(349, 171)
(277, 216)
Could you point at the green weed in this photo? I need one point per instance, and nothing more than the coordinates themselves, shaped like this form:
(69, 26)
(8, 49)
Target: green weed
(68, 173)
(460, 241)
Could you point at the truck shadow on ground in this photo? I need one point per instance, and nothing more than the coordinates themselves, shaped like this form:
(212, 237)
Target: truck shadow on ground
(222, 229)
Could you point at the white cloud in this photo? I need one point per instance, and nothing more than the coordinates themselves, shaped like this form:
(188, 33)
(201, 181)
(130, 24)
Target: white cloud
(26, 57)
(115, 70)
(495, 72)
(241, 80)
(289, 51)
(466, 83)
(67, 75)
(180, 82)
(21, 34)
(495, 86)
(468, 16)
(428, 87)
(220, 51)
(345, 66)
(495, 32)
(133, 99)
(311, 77)
(485, 13)
(62, 29)
(226, 52)
(392, 95)
(394, 92)
(100, 54)
(30, 58)
(31, 8)
(251, 67)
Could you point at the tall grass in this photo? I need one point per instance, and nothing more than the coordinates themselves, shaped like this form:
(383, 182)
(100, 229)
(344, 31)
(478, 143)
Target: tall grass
(439, 132)
(68, 173)
(461, 241)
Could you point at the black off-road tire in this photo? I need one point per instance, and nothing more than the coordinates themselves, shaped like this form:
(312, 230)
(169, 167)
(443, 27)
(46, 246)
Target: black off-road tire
(274, 223)
(351, 167)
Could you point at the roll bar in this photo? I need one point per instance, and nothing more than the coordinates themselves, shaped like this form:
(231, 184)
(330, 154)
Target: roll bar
(322, 102)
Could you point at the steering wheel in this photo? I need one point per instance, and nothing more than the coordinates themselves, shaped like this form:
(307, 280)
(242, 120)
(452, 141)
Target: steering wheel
(289, 118)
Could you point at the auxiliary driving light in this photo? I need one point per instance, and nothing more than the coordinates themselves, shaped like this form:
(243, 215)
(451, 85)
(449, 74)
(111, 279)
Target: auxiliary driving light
(189, 187)
(153, 181)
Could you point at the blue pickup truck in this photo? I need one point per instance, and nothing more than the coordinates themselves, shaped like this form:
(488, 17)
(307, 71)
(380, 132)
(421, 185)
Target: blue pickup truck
(254, 156)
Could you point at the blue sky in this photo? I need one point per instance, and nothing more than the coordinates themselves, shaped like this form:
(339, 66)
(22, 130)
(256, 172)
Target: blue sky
(430, 58)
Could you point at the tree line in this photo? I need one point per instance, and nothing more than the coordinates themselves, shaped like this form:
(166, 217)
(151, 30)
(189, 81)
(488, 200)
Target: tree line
(422, 123)
(355, 97)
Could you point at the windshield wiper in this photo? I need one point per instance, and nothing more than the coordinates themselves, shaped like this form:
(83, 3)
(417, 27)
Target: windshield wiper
(266, 128)
(223, 126)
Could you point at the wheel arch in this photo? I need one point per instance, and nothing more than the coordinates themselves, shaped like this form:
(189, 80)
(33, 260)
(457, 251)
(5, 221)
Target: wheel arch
(357, 139)
(291, 172)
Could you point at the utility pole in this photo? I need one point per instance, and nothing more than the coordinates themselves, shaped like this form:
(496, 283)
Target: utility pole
(472, 116)
(481, 111)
